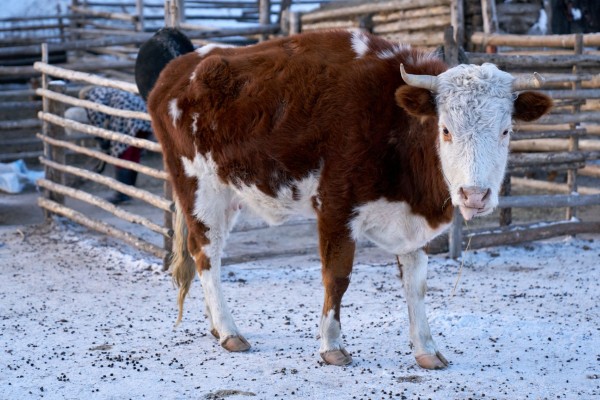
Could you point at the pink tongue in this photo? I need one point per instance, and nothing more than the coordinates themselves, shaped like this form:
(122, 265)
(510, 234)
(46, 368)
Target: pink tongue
(468, 213)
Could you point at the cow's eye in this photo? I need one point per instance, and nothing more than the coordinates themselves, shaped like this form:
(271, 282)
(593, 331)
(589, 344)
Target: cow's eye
(447, 135)
(505, 133)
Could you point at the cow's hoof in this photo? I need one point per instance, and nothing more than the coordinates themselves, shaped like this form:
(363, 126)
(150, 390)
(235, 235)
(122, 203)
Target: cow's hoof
(432, 361)
(337, 357)
(235, 343)
(214, 332)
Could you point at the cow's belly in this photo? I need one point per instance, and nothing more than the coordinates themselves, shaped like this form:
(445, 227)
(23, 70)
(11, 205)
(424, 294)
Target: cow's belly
(392, 226)
(293, 199)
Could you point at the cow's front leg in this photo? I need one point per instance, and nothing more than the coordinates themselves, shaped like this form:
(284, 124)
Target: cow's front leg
(413, 271)
(337, 255)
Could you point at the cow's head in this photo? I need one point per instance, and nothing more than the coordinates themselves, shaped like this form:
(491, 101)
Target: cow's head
(475, 107)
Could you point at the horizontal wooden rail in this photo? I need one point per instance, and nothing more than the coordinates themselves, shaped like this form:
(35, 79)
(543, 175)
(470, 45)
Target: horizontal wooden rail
(101, 227)
(563, 41)
(143, 195)
(105, 205)
(551, 186)
(105, 14)
(103, 133)
(523, 159)
(552, 201)
(529, 62)
(105, 157)
(63, 73)
(92, 105)
(526, 135)
(20, 124)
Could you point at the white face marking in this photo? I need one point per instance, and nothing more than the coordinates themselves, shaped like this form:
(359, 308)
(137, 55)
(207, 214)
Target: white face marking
(288, 202)
(174, 112)
(360, 43)
(204, 50)
(330, 332)
(392, 226)
(475, 105)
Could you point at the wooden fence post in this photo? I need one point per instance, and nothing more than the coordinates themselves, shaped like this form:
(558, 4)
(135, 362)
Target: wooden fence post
(456, 234)
(457, 16)
(139, 8)
(264, 15)
(574, 140)
(53, 153)
(490, 20)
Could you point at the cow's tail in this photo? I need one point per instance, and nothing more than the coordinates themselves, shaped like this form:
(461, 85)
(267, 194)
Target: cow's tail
(154, 55)
(183, 267)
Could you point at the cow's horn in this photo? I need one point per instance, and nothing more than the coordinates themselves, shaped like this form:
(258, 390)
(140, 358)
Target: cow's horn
(422, 81)
(534, 81)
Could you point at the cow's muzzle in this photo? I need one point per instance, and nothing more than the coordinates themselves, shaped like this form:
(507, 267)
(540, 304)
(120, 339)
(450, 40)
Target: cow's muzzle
(474, 201)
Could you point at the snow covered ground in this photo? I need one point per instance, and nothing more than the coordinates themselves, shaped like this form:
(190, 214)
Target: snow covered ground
(83, 317)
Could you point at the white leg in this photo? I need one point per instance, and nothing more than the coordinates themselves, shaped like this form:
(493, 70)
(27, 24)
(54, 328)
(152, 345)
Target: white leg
(331, 333)
(413, 270)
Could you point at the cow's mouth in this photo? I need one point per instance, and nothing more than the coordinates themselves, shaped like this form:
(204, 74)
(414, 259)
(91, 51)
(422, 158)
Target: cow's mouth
(469, 213)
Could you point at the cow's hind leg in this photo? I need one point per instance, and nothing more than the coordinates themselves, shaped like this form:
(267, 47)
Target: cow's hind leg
(337, 256)
(215, 210)
(413, 270)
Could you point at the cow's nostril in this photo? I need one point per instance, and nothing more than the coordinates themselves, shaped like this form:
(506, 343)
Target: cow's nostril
(486, 195)
(462, 193)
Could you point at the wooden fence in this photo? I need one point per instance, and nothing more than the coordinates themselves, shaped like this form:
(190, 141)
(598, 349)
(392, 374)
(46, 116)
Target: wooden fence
(56, 144)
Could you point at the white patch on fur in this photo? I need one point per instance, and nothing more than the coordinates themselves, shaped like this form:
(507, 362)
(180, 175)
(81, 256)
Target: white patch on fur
(216, 207)
(204, 50)
(393, 52)
(330, 332)
(475, 104)
(392, 226)
(193, 76)
(195, 123)
(174, 112)
(360, 43)
(276, 210)
(414, 279)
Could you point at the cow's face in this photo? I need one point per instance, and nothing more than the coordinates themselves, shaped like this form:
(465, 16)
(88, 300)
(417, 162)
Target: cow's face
(475, 106)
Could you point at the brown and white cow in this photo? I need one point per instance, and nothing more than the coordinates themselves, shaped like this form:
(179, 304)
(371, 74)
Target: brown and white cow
(330, 125)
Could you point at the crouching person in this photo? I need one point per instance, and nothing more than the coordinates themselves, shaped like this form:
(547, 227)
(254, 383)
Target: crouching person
(120, 99)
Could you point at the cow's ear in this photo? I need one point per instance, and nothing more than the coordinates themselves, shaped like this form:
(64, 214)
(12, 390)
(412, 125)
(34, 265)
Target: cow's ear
(416, 101)
(529, 106)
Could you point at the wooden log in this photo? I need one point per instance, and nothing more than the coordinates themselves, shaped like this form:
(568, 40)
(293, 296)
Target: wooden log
(409, 14)
(590, 116)
(529, 62)
(324, 25)
(553, 167)
(526, 135)
(419, 38)
(94, 106)
(457, 16)
(104, 14)
(565, 41)
(103, 133)
(521, 234)
(551, 186)
(581, 94)
(369, 8)
(26, 155)
(20, 105)
(105, 205)
(590, 170)
(546, 145)
(132, 191)
(56, 154)
(105, 157)
(20, 124)
(527, 159)
(84, 77)
(439, 21)
(101, 227)
(549, 201)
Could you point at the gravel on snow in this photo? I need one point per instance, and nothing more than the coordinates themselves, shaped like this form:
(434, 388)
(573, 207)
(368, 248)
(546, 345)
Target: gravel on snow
(85, 317)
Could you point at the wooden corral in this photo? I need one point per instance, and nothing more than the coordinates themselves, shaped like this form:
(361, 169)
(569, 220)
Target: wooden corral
(563, 145)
